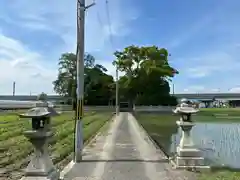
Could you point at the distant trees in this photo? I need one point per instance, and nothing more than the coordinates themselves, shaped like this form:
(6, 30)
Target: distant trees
(145, 81)
(42, 97)
(98, 85)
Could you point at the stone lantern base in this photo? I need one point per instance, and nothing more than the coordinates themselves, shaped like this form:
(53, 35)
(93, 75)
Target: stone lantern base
(188, 155)
(41, 166)
(189, 158)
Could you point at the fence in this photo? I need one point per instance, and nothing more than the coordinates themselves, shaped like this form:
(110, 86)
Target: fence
(30, 104)
(112, 108)
(153, 108)
(87, 108)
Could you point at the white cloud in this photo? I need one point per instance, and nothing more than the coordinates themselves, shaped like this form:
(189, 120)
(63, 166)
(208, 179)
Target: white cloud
(210, 50)
(59, 17)
(234, 90)
(194, 88)
(20, 64)
(198, 72)
(221, 61)
(209, 20)
(215, 90)
(200, 89)
(191, 31)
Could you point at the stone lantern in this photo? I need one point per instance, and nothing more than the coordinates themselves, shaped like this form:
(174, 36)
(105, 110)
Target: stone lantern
(41, 165)
(188, 155)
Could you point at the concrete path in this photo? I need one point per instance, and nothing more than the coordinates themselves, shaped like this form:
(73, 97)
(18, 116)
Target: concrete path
(124, 153)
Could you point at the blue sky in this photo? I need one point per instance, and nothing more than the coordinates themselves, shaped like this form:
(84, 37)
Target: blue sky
(202, 36)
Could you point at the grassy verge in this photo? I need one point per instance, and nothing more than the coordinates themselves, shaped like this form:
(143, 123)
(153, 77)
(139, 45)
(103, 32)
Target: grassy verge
(67, 159)
(220, 111)
(219, 175)
(162, 127)
(218, 115)
(15, 149)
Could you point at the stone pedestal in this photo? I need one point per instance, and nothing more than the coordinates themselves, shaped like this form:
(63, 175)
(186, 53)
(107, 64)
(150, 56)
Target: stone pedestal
(188, 156)
(41, 165)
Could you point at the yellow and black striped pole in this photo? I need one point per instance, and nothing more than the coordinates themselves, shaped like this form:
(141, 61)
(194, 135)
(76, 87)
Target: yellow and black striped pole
(80, 79)
(79, 109)
(117, 92)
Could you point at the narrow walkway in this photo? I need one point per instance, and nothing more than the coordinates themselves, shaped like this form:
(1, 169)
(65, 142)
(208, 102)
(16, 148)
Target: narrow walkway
(124, 153)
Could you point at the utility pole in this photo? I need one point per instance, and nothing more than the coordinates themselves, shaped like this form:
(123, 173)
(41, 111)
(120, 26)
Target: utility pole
(14, 88)
(117, 92)
(80, 79)
(173, 89)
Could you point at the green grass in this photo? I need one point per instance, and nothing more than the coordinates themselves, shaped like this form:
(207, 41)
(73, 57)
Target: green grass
(161, 127)
(219, 175)
(15, 149)
(170, 119)
(219, 111)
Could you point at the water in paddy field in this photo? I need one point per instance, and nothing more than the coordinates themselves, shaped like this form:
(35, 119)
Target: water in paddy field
(219, 142)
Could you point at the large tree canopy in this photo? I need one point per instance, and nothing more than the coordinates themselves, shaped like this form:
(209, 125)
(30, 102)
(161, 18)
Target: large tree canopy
(146, 73)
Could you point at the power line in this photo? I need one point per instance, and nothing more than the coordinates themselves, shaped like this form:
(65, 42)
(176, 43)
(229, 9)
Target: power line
(109, 23)
(112, 44)
(99, 19)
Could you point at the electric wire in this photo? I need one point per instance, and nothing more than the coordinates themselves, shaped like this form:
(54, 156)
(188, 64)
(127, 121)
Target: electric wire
(109, 23)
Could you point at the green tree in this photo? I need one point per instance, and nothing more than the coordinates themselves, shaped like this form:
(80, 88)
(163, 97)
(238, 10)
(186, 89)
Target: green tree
(89, 60)
(65, 84)
(42, 97)
(97, 84)
(146, 71)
